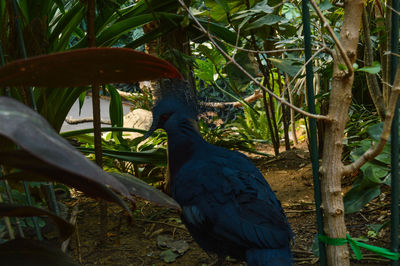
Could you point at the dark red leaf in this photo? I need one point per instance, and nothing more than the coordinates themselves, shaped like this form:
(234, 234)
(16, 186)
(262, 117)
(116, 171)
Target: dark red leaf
(84, 67)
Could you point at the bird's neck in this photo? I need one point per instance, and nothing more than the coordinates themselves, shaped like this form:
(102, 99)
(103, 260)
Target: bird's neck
(183, 142)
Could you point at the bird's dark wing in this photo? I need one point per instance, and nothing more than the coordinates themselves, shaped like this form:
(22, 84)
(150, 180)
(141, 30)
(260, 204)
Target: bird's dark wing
(226, 193)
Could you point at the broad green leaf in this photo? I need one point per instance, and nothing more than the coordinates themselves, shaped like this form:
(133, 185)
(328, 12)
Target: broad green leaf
(13, 210)
(219, 31)
(266, 20)
(325, 5)
(374, 174)
(375, 131)
(33, 253)
(357, 197)
(384, 156)
(374, 69)
(286, 65)
(217, 13)
(204, 70)
(364, 189)
(224, 5)
(262, 7)
(214, 56)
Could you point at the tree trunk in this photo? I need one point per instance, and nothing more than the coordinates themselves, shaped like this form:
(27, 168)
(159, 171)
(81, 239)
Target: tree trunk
(332, 166)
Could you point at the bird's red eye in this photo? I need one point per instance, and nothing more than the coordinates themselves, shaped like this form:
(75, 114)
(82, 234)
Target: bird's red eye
(164, 117)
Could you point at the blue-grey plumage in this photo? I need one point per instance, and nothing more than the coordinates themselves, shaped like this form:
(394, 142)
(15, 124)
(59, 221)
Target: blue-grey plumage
(227, 205)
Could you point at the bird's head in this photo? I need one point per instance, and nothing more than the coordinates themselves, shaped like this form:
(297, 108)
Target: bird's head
(173, 105)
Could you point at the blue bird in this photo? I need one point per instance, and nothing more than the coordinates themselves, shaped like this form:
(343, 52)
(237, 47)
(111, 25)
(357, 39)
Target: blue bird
(227, 205)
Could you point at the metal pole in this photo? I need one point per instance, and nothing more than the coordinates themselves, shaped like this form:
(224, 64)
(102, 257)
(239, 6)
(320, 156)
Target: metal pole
(313, 128)
(394, 244)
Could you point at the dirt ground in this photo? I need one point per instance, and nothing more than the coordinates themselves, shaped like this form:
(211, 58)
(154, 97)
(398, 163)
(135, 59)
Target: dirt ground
(157, 235)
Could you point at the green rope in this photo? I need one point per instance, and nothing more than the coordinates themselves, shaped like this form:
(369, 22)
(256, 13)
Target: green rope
(355, 246)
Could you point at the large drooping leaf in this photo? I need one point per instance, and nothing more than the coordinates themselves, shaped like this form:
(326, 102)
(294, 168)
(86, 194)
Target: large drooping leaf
(33, 253)
(364, 189)
(142, 189)
(375, 172)
(13, 210)
(84, 67)
(37, 170)
(44, 151)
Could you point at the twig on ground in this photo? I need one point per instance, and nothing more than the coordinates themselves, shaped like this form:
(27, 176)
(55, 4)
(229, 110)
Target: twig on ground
(157, 222)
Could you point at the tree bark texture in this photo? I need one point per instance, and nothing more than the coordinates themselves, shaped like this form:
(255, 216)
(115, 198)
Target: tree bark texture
(332, 166)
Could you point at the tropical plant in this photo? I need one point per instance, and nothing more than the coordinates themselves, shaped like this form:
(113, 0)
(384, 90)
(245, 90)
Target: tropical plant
(32, 150)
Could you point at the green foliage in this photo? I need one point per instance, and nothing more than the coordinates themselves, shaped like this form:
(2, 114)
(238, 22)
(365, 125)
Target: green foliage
(375, 172)
(374, 69)
(225, 136)
(253, 125)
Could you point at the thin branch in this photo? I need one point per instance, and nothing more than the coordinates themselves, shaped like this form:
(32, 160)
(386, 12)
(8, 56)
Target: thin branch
(391, 8)
(261, 51)
(374, 150)
(347, 61)
(73, 121)
(230, 59)
(254, 97)
(387, 53)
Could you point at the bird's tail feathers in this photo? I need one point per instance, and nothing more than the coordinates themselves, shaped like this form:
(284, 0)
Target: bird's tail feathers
(269, 257)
